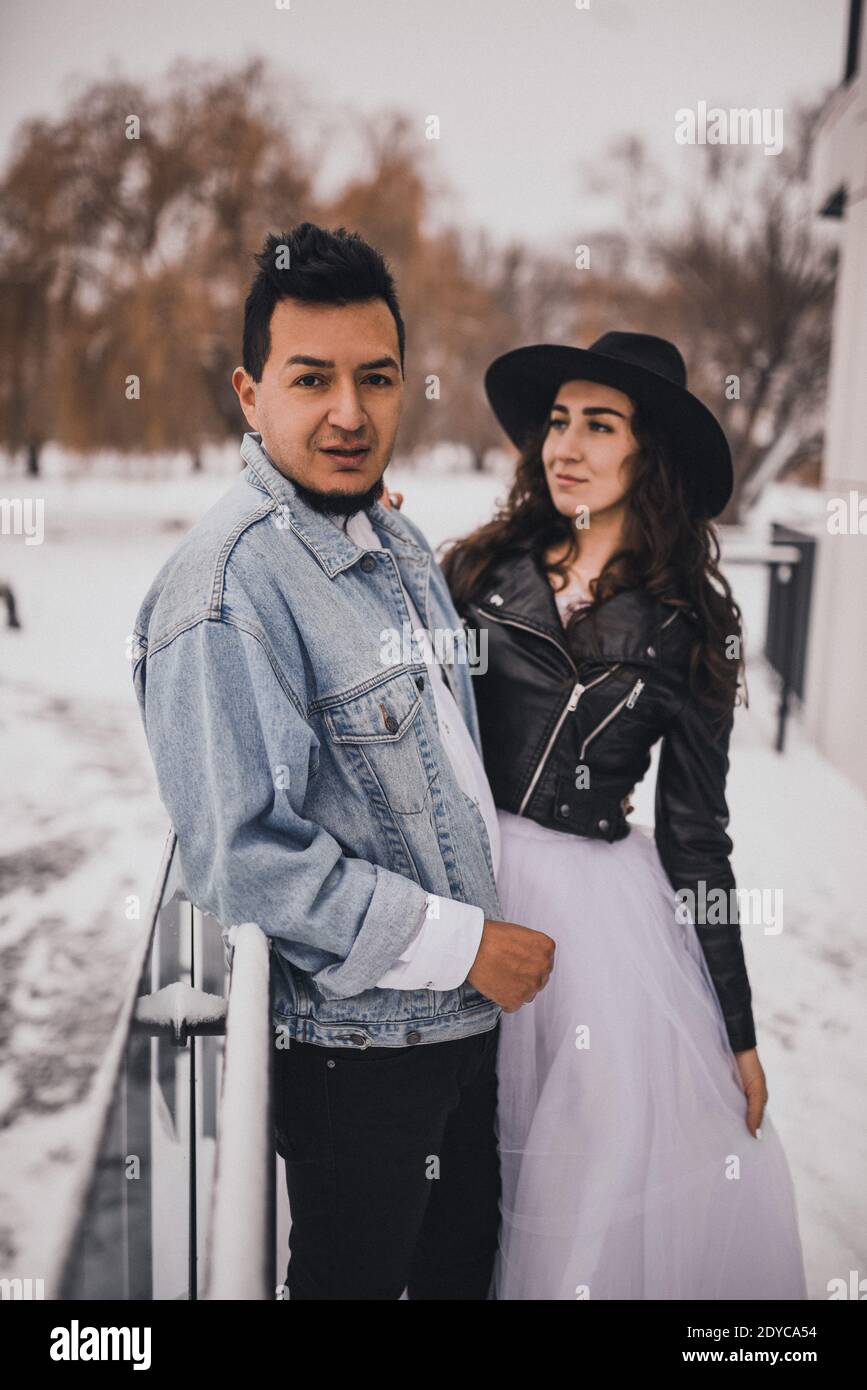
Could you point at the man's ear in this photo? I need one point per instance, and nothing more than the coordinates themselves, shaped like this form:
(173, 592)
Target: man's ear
(246, 396)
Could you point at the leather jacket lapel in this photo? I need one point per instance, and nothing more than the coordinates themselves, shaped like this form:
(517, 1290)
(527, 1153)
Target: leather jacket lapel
(519, 588)
(623, 631)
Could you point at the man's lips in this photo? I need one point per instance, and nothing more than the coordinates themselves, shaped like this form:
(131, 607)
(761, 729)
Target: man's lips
(352, 456)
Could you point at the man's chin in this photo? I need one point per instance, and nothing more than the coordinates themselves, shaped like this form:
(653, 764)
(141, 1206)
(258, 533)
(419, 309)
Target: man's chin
(340, 503)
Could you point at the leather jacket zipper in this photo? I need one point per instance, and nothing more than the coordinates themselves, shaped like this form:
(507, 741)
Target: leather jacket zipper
(576, 693)
(628, 702)
(525, 627)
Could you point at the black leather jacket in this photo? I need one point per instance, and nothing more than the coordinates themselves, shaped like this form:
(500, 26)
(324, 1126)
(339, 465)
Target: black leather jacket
(544, 716)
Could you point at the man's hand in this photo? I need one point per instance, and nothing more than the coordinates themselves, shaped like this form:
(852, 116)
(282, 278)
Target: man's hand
(512, 964)
(754, 1085)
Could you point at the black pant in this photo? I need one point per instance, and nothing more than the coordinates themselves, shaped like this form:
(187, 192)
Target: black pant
(391, 1167)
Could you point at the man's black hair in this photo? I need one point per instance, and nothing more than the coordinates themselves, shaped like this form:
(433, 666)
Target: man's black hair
(316, 266)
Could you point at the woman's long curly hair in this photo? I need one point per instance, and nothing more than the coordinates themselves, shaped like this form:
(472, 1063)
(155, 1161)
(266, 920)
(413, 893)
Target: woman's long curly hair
(670, 549)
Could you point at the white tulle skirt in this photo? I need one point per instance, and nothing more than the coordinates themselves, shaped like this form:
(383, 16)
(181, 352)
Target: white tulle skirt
(628, 1171)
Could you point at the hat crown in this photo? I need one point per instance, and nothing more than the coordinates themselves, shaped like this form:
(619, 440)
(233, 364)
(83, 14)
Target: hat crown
(644, 350)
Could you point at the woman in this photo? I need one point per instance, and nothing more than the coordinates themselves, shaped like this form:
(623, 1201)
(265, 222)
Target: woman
(638, 1160)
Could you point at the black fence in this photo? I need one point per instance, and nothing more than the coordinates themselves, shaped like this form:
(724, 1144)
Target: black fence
(789, 596)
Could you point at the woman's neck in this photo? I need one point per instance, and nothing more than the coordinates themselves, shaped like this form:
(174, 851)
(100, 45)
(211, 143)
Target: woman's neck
(592, 546)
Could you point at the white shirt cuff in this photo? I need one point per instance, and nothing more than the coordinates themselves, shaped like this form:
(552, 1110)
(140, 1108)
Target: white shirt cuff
(441, 954)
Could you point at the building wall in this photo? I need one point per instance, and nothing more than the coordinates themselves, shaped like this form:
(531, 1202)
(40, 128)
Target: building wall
(836, 678)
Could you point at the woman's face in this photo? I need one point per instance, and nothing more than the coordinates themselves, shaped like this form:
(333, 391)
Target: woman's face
(589, 437)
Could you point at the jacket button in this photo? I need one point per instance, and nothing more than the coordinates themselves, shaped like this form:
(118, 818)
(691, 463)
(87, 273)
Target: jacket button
(391, 724)
(330, 1062)
(651, 651)
(413, 1037)
(368, 563)
(419, 680)
(564, 809)
(603, 824)
(357, 1038)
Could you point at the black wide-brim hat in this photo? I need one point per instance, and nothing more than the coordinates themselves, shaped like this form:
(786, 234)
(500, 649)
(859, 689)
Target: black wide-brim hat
(522, 385)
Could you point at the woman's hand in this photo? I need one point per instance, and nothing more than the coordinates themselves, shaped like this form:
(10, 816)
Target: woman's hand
(754, 1085)
(392, 499)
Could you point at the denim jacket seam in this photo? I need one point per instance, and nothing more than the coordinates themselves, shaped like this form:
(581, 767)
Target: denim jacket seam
(184, 625)
(259, 637)
(413, 1021)
(214, 609)
(277, 502)
(225, 621)
(395, 817)
(325, 702)
(399, 535)
(231, 540)
(265, 483)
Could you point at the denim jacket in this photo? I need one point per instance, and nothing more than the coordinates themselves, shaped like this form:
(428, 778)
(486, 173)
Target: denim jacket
(301, 767)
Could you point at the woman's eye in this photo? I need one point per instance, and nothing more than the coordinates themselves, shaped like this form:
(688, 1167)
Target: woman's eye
(594, 424)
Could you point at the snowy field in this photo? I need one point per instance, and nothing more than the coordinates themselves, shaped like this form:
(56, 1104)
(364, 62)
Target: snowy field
(83, 830)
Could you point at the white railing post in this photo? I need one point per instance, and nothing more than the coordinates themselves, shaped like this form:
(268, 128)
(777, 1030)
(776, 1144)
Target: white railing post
(241, 1255)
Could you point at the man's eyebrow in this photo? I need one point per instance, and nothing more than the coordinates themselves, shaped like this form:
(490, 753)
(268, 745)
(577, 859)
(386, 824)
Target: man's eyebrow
(301, 360)
(379, 362)
(592, 410)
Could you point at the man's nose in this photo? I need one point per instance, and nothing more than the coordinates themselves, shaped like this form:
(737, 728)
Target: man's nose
(346, 412)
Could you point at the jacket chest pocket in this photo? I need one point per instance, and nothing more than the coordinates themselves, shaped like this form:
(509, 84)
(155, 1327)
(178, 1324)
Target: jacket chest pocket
(381, 731)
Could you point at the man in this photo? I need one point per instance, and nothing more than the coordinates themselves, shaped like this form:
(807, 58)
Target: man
(337, 797)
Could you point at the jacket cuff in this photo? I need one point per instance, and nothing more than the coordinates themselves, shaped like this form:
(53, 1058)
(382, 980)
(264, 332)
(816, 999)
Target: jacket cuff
(441, 955)
(391, 920)
(724, 955)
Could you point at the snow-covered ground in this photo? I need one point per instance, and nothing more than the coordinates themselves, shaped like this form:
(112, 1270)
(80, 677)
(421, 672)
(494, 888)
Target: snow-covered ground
(83, 830)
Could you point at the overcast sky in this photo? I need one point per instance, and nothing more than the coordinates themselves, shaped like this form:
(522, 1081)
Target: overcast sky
(525, 90)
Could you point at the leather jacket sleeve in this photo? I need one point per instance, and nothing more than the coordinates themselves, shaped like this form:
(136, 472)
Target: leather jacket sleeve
(691, 820)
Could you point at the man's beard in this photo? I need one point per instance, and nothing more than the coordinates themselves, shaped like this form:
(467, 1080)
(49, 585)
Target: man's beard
(334, 504)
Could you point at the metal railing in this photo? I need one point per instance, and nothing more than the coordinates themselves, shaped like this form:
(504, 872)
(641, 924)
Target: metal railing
(183, 1162)
(788, 557)
(241, 1260)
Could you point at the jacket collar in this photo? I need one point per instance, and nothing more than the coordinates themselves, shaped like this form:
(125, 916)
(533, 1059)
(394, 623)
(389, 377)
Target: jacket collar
(518, 588)
(625, 628)
(329, 543)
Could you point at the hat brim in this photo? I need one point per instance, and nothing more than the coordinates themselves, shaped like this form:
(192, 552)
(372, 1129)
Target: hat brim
(521, 386)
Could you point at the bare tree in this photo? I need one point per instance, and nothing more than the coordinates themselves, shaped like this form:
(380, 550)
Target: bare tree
(127, 229)
(743, 280)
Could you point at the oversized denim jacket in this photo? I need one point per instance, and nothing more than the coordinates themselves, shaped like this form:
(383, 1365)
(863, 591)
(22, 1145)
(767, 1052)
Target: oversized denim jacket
(301, 767)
